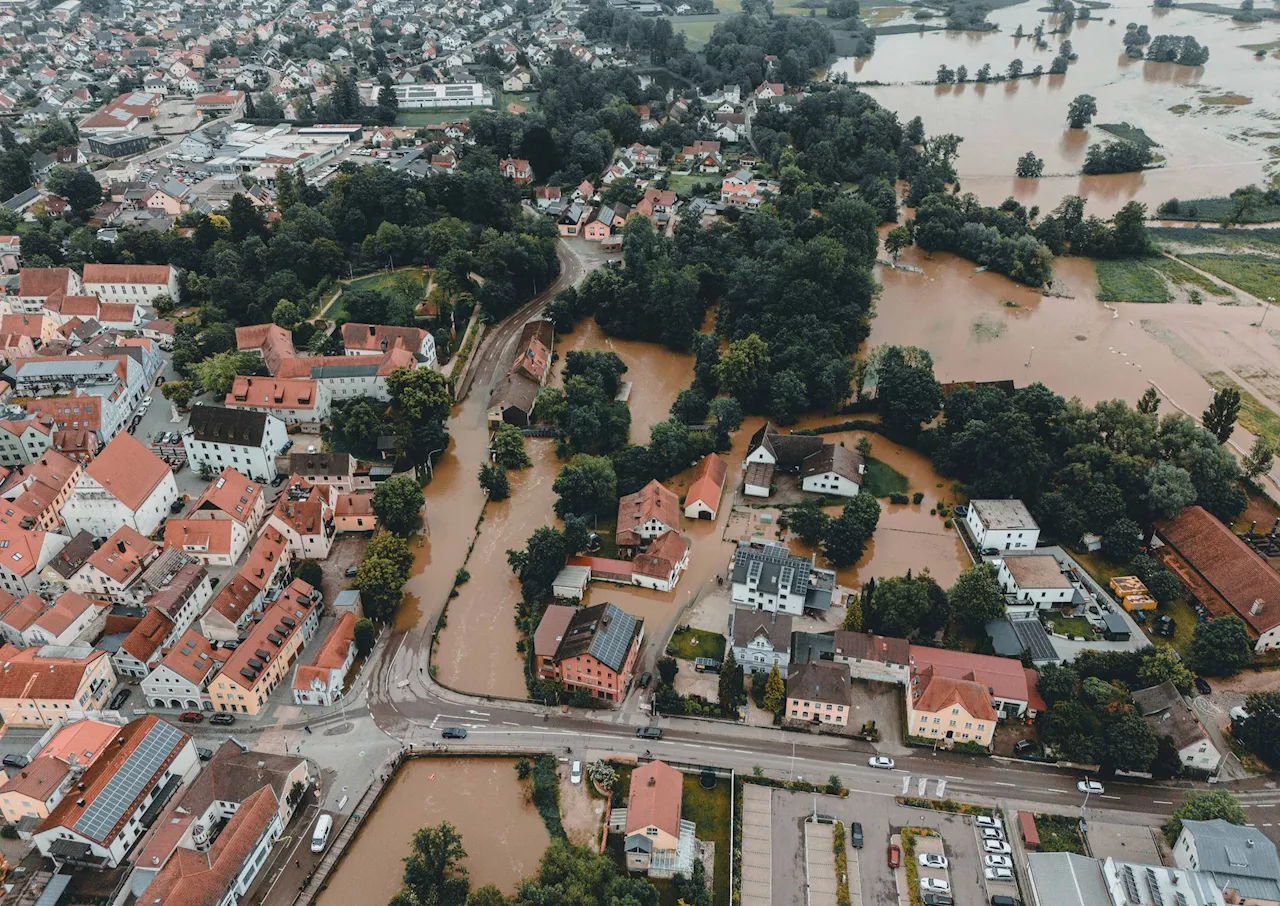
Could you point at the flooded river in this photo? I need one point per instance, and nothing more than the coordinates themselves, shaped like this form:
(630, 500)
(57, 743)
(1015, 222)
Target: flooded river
(1211, 148)
(501, 831)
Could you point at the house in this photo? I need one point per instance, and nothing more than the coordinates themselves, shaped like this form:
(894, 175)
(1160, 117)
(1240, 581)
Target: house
(71, 620)
(659, 566)
(180, 679)
(135, 283)
(354, 513)
(270, 341)
(35, 494)
(1223, 573)
(350, 376)
(1009, 686)
(823, 468)
(321, 682)
(68, 561)
(518, 171)
(1241, 860)
(1168, 714)
(766, 576)
(1034, 581)
(761, 641)
(242, 439)
(950, 709)
(703, 498)
(834, 470)
(262, 660)
(652, 511)
(873, 657)
(33, 792)
(126, 484)
(38, 285)
(45, 685)
(513, 399)
(545, 196)
(1069, 879)
(597, 651)
(244, 595)
(548, 636)
(113, 571)
(819, 692)
(1002, 525)
(378, 339)
(294, 401)
(23, 555)
(179, 587)
(304, 514)
(658, 205)
(221, 523)
(573, 219)
(98, 828)
(141, 651)
(656, 840)
(339, 471)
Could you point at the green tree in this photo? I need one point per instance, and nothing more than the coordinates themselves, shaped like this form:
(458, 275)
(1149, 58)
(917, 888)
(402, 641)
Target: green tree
(381, 586)
(1220, 417)
(1030, 166)
(743, 371)
(730, 686)
(1127, 743)
(808, 521)
(1150, 402)
(365, 634)
(1162, 664)
(1259, 730)
(286, 313)
(907, 392)
(845, 537)
(1122, 540)
(538, 564)
(178, 392)
(896, 240)
(398, 503)
(899, 606)
(1081, 110)
(1220, 647)
(508, 447)
(1258, 460)
(587, 486)
(977, 598)
(488, 895)
(852, 621)
(1057, 683)
(420, 395)
(1200, 805)
(310, 571)
(79, 187)
(434, 873)
(1015, 69)
(218, 373)
(1167, 763)
(392, 548)
(493, 478)
(1169, 489)
(775, 692)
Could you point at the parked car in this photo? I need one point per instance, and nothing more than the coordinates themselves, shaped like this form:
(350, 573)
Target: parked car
(205, 754)
(649, 732)
(997, 862)
(222, 720)
(855, 834)
(191, 717)
(1202, 686)
(159, 379)
(320, 836)
(996, 846)
(881, 761)
(645, 679)
(1025, 748)
(987, 821)
(706, 665)
(934, 885)
(938, 899)
(119, 699)
(15, 761)
(895, 855)
(991, 833)
(932, 860)
(998, 874)
(1000, 899)
(1089, 786)
(1166, 626)
(454, 733)
(575, 772)
(990, 551)
(351, 572)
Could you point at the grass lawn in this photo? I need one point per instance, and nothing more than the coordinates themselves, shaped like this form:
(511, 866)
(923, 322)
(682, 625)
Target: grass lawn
(1185, 620)
(1098, 566)
(697, 34)
(1255, 417)
(709, 809)
(728, 6)
(685, 185)
(1077, 626)
(1129, 281)
(1263, 240)
(882, 480)
(1256, 274)
(1059, 834)
(692, 643)
(1179, 274)
(383, 281)
(1129, 134)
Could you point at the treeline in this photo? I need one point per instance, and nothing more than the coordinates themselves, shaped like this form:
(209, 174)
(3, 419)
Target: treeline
(1181, 49)
(997, 238)
(1248, 204)
(1116, 157)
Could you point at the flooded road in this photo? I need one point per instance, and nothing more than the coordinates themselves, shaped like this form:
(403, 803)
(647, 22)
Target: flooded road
(1211, 147)
(502, 833)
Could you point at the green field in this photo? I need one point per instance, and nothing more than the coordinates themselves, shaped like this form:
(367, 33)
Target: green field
(1184, 620)
(1255, 274)
(710, 810)
(882, 480)
(696, 34)
(694, 643)
(1129, 133)
(684, 186)
(1263, 240)
(1129, 281)
(452, 115)
(1179, 274)
(1213, 210)
(383, 281)
(1059, 834)
(1255, 417)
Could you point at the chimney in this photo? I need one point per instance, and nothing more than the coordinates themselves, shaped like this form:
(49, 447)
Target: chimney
(372, 330)
(120, 545)
(1256, 608)
(653, 781)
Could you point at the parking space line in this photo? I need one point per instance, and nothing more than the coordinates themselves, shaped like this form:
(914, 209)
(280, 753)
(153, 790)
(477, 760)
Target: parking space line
(1162, 802)
(1104, 796)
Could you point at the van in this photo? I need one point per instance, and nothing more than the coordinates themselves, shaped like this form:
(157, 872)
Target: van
(320, 836)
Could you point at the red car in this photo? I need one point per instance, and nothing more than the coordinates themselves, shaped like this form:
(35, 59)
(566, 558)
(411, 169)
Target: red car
(191, 717)
(895, 855)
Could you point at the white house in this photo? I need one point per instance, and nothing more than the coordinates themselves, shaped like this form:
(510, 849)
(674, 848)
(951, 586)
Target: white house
(760, 640)
(321, 681)
(126, 484)
(1004, 525)
(293, 401)
(23, 554)
(138, 283)
(834, 470)
(1168, 714)
(241, 439)
(304, 515)
(71, 619)
(767, 576)
(181, 679)
(220, 525)
(1241, 859)
(659, 566)
(1034, 581)
(349, 376)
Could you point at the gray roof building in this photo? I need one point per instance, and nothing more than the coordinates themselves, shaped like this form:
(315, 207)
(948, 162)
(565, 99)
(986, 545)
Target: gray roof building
(1067, 879)
(217, 425)
(1240, 859)
(605, 632)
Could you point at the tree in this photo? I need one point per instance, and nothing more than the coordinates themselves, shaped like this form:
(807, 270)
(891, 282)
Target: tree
(1150, 402)
(488, 895)
(1127, 743)
(365, 633)
(945, 75)
(1220, 417)
(1204, 806)
(808, 521)
(1259, 730)
(587, 486)
(79, 187)
(493, 478)
(1121, 540)
(896, 240)
(398, 503)
(743, 371)
(1081, 111)
(1030, 166)
(1015, 69)
(852, 621)
(1162, 664)
(1220, 647)
(286, 313)
(1169, 489)
(434, 872)
(218, 373)
(381, 586)
(898, 607)
(667, 670)
(1057, 683)
(730, 682)
(976, 598)
(775, 692)
(845, 537)
(907, 391)
(539, 563)
(310, 571)
(1259, 459)
(178, 392)
(420, 395)
(508, 447)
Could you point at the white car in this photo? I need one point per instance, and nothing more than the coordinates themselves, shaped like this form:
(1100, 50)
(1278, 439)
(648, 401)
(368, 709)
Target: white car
(575, 774)
(987, 821)
(997, 862)
(880, 761)
(996, 846)
(934, 885)
(991, 833)
(932, 860)
(998, 874)
(1089, 786)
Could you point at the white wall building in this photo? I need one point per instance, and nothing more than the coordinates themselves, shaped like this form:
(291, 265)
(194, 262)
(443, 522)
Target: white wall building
(428, 96)
(1004, 525)
(137, 283)
(244, 440)
(1034, 581)
(126, 484)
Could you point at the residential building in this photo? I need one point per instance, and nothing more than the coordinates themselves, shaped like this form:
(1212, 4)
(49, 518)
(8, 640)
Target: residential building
(135, 283)
(761, 640)
(660, 564)
(179, 586)
(949, 709)
(180, 680)
(321, 682)
(822, 468)
(262, 660)
(141, 649)
(245, 440)
(239, 598)
(126, 484)
(767, 576)
(1002, 525)
(37, 285)
(1034, 581)
(35, 494)
(24, 440)
(833, 470)
(1241, 860)
(1068, 879)
(354, 513)
(379, 339)
(873, 657)
(68, 561)
(518, 171)
(434, 96)
(652, 511)
(293, 401)
(1226, 575)
(703, 498)
(97, 828)
(339, 471)
(1009, 686)
(70, 620)
(270, 341)
(114, 570)
(220, 525)
(18, 617)
(304, 515)
(596, 651)
(349, 376)
(1168, 714)
(513, 399)
(23, 555)
(34, 791)
(656, 840)
(819, 692)
(40, 686)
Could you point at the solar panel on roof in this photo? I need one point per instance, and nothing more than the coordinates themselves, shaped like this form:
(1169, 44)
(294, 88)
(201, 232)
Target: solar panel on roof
(610, 644)
(111, 805)
(1130, 885)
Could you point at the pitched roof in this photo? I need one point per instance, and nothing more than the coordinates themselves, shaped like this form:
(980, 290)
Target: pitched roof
(234, 774)
(22, 614)
(39, 780)
(865, 646)
(20, 548)
(301, 506)
(230, 493)
(124, 554)
(788, 450)
(604, 631)
(148, 635)
(381, 337)
(272, 393)
(662, 555)
(272, 341)
(1168, 714)
(358, 504)
(653, 501)
(65, 611)
(551, 629)
(935, 692)
(333, 654)
(1240, 858)
(192, 657)
(833, 458)
(1006, 677)
(28, 674)
(127, 273)
(322, 464)
(244, 666)
(127, 470)
(219, 425)
(820, 681)
(774, 626)
(42, 281)
(708, 481)
(657, 791)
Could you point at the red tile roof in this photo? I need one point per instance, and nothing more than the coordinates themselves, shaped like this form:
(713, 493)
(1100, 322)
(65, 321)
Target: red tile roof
(653, 501)
(34, 282)
(65, 611)
(148, 636)
(128, 470)
(126, 273)
(662, 555)
(381, 337)
(29, 676)
(124, 555)
(192, 658)
(39, 780)
(332, 655)
(657, 790)
(934, 693)
(1006, 677)
(232, 493)
(708, 482)
(272, 341)
(272, 393)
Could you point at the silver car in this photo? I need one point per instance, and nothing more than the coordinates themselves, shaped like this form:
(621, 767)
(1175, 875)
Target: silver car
(997, 862)
(998, 874)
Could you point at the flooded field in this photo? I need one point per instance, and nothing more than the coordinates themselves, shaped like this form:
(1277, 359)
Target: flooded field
(1211, 147)
(502, 833)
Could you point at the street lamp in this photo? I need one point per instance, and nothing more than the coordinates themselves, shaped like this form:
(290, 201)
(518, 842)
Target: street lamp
(1029, 355)
(1271, 300)
(793, 759)
(431, 469)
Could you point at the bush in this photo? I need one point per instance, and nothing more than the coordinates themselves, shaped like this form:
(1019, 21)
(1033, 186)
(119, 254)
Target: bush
(546, 795)
(899, 498)
(917, 497)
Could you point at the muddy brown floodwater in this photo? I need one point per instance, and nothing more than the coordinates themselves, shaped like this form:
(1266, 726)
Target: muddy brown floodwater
(1208, 146)
(501, 831)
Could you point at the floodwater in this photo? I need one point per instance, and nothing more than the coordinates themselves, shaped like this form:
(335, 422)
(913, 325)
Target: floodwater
(501, 831)
(1209, 147)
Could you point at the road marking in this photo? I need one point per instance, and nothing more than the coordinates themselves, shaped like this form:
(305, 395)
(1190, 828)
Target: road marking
(1264, 805)
(954, 777)
(1266, 825)
(1101, 796)
(508, 723)
(466, 720)
(1002, 783)
(1162, 802)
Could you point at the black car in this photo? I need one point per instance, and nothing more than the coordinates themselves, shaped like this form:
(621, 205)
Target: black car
(205, 754)
(119, 699)
(645, 679)
(855, 833)
(1202, 686)
(1024, 748)
(937, 899)
(352, 571)
(15, 761)
(454, 733)
(1165, 626)
(222, 720)
(278, 480)
(649, 732)
(990, 551)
